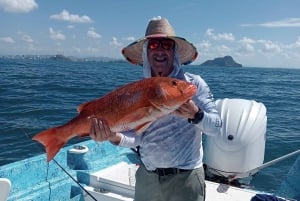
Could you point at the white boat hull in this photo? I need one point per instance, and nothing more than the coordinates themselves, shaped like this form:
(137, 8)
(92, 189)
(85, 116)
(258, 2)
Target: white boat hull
(116, 183)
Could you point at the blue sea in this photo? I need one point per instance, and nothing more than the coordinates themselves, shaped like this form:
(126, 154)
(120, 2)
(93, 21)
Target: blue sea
(38, 94)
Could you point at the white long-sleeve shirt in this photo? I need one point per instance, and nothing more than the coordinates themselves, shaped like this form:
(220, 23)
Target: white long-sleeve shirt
(172, 142)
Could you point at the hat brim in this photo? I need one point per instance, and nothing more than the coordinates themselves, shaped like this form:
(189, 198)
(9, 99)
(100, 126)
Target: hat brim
(187, 51)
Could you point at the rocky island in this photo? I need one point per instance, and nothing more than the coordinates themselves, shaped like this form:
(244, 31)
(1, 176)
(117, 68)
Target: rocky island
(226, 61)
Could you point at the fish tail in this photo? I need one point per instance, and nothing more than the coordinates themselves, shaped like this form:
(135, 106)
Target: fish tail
(52, 142)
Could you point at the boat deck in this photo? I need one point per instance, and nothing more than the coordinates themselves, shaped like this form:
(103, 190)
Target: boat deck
(117, 182)
(106, 171)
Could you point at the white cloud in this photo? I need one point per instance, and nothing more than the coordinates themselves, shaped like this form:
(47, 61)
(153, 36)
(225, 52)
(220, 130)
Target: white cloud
(246, 45)
(70, 26)
(115, 42)
(269, 46)
(223, 49)
(93, 50)
(287, 22)
(27, 38)
(209, 32)
(298, 42)
(246, 48)
(93, 34)
(56, 35)
(204, 46)
(226, 36)
(222, 36)
(293, 46)
(246, 40)
(18, 6)
(130, 38)
(250, 51)
(31, 47)
(7, 40)
(74, 18)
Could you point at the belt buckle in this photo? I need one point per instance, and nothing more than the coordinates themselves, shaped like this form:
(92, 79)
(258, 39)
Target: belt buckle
(167, 171)
(161, 172)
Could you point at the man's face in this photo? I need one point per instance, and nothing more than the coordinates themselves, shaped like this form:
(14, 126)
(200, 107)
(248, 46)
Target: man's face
(161, 56)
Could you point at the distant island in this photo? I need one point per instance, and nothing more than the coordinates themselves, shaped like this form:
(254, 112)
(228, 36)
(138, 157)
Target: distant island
(226, 61)
(60, 57)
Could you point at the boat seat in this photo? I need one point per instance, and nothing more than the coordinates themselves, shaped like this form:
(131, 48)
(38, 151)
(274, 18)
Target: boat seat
(115, 183)
(4, 188)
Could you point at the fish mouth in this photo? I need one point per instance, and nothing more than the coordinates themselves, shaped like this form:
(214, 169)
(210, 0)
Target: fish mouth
(190, 90)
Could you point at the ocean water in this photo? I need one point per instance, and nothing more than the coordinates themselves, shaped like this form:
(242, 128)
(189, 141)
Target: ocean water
(38, 94)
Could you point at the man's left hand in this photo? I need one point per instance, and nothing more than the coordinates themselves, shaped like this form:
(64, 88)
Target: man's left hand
(187, 110)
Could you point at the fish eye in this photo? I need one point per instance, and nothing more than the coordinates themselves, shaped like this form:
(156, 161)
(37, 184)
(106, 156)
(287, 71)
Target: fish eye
(174, 83)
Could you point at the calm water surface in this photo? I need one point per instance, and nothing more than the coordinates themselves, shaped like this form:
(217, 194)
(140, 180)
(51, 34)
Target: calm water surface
(36, 95)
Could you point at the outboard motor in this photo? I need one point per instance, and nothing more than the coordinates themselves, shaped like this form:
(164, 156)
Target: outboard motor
(241, 146)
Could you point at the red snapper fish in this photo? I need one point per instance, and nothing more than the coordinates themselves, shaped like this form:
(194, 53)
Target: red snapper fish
(132, 106)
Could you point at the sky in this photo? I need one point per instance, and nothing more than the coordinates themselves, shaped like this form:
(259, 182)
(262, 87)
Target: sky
(263, 33)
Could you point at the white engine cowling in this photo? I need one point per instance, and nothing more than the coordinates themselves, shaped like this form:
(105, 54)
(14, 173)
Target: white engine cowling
(241, 146)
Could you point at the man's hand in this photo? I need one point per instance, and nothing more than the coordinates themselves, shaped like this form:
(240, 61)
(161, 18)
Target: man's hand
(100, 131)
(187, 110)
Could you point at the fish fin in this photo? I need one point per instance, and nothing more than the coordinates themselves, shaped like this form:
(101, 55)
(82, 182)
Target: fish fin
(52, 142)
(142, 127)
(82, 106)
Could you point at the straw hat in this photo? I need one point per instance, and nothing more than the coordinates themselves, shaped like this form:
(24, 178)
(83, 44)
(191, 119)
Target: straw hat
(158, 28)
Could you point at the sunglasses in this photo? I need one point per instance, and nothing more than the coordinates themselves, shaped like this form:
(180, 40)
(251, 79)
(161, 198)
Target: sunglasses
(166, 44)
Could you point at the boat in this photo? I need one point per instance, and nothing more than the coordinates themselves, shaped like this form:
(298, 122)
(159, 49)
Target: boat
(89, 171)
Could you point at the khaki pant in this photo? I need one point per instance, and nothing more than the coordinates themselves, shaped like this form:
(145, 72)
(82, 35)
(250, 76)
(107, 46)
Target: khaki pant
(185, 186)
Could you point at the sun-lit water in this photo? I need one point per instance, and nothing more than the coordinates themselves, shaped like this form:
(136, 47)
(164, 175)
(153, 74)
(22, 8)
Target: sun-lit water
(36, 95)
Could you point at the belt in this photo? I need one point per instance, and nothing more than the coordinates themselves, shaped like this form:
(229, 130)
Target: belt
(168, 171)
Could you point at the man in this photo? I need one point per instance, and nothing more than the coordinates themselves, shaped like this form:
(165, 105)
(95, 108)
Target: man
(171, 148)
